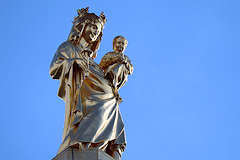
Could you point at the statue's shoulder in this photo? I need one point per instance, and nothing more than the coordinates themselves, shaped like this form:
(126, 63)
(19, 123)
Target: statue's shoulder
(65, 46)
(65, 49)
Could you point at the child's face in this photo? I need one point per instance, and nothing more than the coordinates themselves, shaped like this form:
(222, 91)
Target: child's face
(120, 45)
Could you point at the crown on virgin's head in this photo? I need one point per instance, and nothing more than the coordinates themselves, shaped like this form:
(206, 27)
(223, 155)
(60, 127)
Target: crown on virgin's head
(84, 13)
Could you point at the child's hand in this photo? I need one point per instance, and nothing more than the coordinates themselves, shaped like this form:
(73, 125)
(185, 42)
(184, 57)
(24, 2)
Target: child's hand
(123, 59)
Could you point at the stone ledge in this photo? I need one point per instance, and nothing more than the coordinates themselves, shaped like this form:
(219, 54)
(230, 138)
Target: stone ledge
(75, 154)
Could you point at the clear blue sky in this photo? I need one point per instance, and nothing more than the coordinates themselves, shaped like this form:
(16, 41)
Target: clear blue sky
(182, 101)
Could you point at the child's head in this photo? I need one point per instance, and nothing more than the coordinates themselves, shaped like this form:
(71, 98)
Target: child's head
(119, 44)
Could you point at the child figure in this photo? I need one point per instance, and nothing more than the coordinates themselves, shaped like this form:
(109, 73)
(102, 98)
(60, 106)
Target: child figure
(116, 65)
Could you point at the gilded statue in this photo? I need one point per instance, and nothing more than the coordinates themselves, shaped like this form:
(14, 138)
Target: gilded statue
(92, 115)
(116, 65)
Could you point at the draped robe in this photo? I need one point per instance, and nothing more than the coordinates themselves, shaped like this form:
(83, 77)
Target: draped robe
(115, 70)
(86, 92)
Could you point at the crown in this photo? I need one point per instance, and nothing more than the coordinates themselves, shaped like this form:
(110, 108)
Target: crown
(84, 12)
(103, 18)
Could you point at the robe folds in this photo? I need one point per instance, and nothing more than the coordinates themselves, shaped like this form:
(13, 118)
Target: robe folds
(92, 111)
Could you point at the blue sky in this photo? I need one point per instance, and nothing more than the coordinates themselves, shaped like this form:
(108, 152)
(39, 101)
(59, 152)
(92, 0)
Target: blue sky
(182, 101)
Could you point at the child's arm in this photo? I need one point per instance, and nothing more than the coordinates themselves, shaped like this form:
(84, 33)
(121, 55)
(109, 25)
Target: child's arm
(109, 59)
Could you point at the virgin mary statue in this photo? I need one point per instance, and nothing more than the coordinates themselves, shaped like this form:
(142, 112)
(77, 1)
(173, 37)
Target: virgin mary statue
(92, 116)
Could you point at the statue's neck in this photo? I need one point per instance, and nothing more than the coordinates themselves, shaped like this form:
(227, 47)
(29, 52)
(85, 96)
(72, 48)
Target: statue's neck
(121, 53)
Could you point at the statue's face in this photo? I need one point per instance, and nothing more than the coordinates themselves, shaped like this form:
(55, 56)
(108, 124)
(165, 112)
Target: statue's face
(92, 31)
(120, 45)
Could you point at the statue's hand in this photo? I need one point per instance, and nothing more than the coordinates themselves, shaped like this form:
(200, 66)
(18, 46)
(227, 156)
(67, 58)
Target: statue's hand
(87, 52)
(83, 64)
(123, 59)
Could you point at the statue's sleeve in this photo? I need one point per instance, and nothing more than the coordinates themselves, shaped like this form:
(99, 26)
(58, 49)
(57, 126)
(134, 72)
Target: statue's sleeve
(60, 63)
(60, 67)
(70, 68)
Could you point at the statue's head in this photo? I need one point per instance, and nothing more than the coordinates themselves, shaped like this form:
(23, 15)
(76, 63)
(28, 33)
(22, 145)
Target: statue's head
(88, 26)
(119, 44)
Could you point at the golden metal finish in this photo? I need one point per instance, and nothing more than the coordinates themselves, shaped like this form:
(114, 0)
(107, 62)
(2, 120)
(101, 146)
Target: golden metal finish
(92, 116)
(116, 65)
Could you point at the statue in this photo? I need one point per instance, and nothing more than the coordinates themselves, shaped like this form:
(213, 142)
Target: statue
(116, 65)
(92, 115)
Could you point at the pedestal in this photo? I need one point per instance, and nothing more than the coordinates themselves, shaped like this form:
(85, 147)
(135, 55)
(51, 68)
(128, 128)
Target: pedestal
(75, 154)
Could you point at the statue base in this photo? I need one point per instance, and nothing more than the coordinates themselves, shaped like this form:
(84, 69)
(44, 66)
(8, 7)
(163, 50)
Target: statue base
(75, 154)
